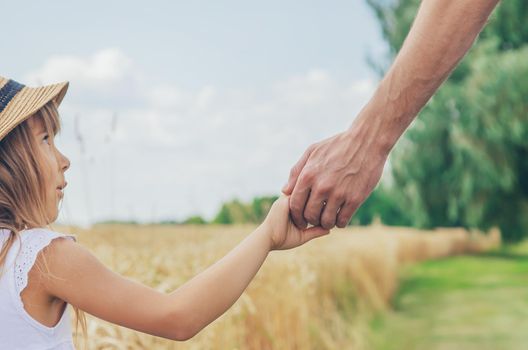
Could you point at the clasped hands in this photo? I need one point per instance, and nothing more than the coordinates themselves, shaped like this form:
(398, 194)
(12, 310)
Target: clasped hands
(333, 178)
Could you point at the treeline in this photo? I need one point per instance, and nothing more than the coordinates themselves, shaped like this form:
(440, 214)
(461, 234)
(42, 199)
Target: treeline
(381, 206)
(235, 212)
(232, 212)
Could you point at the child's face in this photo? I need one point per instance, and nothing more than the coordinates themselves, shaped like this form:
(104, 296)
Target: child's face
(56, 163)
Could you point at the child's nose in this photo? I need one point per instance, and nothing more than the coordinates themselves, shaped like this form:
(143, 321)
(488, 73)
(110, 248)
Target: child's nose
(65, 162)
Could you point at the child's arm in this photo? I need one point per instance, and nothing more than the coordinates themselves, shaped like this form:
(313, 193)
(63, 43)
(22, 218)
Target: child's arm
(86, 283)
(208, 295)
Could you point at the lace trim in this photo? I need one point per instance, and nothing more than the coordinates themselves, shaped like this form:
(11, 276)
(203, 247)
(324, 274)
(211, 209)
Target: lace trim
(28, 254)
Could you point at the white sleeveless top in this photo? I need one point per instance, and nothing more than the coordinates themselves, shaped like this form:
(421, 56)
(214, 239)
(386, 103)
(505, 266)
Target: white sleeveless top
(18, 329)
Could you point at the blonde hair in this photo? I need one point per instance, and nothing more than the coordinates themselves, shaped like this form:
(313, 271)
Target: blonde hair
(22, 190)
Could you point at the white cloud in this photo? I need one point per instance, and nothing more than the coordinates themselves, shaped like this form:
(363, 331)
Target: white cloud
(103, 67)
(180, 151)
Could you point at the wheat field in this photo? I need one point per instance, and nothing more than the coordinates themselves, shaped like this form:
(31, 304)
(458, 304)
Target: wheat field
(318, 296)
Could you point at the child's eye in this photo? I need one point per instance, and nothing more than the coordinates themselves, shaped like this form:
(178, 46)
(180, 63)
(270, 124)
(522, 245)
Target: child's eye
(46, 139)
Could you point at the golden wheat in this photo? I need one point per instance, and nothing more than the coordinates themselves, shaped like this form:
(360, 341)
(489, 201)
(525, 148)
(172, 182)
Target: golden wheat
(317, 296)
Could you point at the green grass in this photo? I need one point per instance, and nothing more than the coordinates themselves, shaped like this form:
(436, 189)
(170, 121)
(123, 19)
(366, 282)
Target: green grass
(466, 302)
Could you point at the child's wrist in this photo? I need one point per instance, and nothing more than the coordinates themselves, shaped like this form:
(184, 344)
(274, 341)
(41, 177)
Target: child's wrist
(266, 231)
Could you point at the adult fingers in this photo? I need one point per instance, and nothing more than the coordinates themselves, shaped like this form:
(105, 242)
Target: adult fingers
(314, 207)
(296, 171)
(298, 200)
(345, 213)
(330, 212)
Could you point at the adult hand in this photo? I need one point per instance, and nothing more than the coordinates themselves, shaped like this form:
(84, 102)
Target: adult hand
(333, 178)
(282, 232)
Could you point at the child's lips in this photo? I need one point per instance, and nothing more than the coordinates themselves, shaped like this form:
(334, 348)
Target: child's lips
(60, 188)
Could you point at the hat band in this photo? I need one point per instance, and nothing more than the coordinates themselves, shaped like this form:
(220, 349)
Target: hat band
(8, 91)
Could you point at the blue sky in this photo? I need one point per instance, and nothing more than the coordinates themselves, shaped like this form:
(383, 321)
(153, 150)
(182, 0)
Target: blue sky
(209, 100)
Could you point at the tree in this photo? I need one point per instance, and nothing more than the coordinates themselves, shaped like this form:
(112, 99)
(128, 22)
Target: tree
(223, 217)
(237, 212)
(195, 220)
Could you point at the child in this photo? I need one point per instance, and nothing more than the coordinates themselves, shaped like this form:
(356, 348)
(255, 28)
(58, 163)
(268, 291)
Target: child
(44, 271)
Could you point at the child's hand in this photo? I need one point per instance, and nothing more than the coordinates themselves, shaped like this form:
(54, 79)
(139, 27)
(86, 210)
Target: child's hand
(283, 233)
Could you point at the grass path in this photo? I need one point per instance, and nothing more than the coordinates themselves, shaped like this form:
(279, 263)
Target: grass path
(467, 302)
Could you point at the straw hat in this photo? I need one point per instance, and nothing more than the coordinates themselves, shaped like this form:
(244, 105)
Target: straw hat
(19, 102)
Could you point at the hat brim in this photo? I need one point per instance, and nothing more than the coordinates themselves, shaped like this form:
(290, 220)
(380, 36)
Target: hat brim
(27, 102)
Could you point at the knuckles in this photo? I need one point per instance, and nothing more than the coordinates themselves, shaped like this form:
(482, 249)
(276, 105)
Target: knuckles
(307, 176)
(323, 188)
(295, 208)
(327, 225)
(339, 196)
(312, 218)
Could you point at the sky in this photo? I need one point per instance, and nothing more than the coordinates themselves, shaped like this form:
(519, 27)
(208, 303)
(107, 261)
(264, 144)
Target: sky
(176, 107)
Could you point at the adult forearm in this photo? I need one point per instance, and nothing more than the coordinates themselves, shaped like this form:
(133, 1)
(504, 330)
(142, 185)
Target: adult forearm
(442, 33)
(335, 176)
(209, 294)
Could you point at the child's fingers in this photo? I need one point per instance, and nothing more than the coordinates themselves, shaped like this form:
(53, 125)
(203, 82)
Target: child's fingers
(314, 232)
(282, 203)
